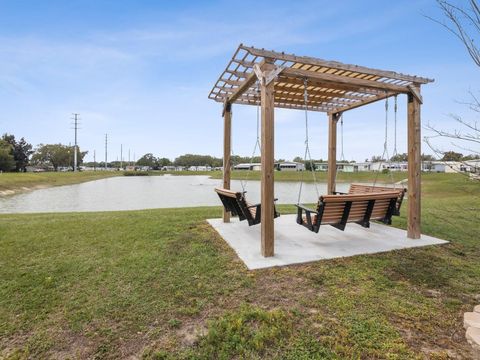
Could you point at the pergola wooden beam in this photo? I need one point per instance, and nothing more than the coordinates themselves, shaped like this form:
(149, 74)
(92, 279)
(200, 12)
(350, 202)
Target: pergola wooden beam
(332, 152)
(362, 103)
(333, 64)
(298, 80)
(268, 163)
(244, 86)
(345, 80)
(414, 166)
(227, 150)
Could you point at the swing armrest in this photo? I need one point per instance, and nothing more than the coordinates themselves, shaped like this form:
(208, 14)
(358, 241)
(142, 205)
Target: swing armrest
(306, 209)
(255, 205)
(309, 221)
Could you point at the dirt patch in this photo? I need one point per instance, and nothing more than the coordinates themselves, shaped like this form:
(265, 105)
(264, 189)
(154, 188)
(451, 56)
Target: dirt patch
(23, 189)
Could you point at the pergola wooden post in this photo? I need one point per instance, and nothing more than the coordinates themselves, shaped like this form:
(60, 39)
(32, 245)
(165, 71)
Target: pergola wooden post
(333, 88)
(268, 161)
(227, 150)
(414, 164)
(332, 152)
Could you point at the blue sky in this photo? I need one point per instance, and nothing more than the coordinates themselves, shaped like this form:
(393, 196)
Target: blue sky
(141, 71)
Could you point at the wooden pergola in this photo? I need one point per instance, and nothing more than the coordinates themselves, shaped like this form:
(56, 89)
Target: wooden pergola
(333, 88)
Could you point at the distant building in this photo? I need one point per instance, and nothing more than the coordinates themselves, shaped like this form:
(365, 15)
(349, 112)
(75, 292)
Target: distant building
(200, 168)
(341, 166)
(290, 166)
(247, 166)
(455, 166)
(169, 168)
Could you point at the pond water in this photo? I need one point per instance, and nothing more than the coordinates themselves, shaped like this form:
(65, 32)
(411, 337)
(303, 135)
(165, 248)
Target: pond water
(146, 192)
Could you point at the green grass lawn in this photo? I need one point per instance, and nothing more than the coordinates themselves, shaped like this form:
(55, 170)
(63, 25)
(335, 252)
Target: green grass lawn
(161, 284)
(18, 182)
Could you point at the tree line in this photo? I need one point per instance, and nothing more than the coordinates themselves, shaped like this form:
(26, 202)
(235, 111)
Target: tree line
(16, 155)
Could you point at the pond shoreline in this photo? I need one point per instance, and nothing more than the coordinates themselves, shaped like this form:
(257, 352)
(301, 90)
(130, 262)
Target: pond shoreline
(147, 192)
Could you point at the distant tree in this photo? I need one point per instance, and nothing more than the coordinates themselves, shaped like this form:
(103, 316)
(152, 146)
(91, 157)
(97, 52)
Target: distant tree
(471, 157)
(148, 160)
(197, 160)
(426, 157)
(399, 157)
(7, 162)
(377, 158)
(310, 166)
(21, 151)
(164, 162)
(298, 159)
(452, 156)
(56, 155)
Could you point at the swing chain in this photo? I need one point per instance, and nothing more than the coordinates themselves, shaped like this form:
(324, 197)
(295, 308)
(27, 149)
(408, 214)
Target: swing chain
(395, 128)
(342, 157)
(256, 147)
(307, 146)
(385, 154)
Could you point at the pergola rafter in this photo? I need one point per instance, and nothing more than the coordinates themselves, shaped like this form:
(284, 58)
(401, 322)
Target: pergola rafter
(273, 79)
(343, 81)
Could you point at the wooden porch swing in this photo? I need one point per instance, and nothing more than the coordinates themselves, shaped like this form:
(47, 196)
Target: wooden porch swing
(362, 204)
(334, 88)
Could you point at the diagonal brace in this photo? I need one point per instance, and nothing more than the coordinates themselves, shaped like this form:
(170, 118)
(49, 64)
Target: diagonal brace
(267, 77)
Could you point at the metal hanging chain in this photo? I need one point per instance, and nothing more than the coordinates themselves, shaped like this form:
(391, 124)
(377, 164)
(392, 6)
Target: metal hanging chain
(385, 151)
(395, 128)
(342, 157)
(385, 143)
(257, 146)
(307, 147)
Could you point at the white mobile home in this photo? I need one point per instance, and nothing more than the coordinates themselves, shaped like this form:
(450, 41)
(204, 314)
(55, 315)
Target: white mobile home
(247, 166)
(291, 166)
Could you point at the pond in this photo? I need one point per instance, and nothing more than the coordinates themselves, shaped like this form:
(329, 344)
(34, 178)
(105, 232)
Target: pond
(146, 192)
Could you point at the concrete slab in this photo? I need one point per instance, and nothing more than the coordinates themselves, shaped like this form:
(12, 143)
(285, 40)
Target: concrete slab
(471, 319)
(294, 244)
(473, 338)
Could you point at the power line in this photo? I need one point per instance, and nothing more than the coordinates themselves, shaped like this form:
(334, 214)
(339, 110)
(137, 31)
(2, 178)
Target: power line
(75, 149)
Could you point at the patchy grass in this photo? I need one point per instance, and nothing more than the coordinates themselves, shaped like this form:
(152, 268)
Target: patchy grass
(11, 183)
(161, 284)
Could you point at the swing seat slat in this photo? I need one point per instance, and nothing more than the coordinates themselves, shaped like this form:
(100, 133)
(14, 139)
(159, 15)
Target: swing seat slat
(236, 203)
(367, 189)
(338, 210)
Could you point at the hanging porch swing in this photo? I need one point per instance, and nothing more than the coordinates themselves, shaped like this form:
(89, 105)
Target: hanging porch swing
(235, 202)
(369, 203)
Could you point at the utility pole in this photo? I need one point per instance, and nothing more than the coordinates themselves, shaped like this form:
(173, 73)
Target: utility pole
(94, 161)
(129, 163)
(121, 156)
(106, 150)
(75, 126)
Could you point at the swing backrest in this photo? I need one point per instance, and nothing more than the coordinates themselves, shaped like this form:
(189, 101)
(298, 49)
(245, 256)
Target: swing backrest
(237, 205)
(367, 189)
(233, 201)
(337, 210)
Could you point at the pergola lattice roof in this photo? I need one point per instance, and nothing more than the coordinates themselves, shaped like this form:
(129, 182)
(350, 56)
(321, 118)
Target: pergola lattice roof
(332, 86)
